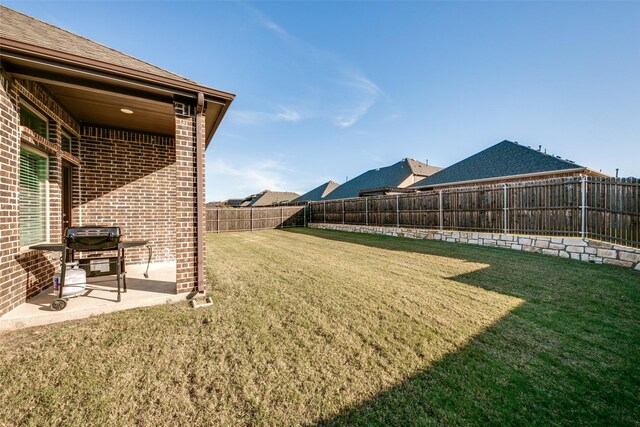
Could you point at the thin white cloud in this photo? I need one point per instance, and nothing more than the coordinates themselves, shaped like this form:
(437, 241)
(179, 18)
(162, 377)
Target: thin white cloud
(265, 22)
(289, 115)
(285, 114)
(341, 94)
(361, 82)
(365, 92)
(233, 180)
(349, 117)
(270, 25)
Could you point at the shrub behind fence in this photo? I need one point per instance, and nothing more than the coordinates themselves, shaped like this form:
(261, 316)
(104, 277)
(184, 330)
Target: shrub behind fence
(605, 209)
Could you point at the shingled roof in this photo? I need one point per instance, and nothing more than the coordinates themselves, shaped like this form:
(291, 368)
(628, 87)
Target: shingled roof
(505, 159)
(318, 193)
(390, 176)
(90, 80)
(268, 198)
(26, 29)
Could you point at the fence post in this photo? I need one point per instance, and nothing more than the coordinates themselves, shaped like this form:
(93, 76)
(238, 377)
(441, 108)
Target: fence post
(584, 207)
(282, 217)
(324, 211)
(218, 220)
(506, 214)
(440, 217)
(304, 215)
(398, 210)
(366, 210)
(251, 213)
(343, 211)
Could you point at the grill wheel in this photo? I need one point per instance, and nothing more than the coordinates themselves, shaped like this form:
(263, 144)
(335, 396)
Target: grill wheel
(58, 304)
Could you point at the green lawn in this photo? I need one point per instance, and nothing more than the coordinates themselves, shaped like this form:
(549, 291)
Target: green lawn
(321, 327)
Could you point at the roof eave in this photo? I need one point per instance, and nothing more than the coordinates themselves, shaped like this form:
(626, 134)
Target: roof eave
(525, 175)
(177, 86)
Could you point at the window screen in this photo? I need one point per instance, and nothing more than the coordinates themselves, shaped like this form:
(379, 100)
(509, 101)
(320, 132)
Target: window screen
(66, 142)
(33, 121)
(33, 198)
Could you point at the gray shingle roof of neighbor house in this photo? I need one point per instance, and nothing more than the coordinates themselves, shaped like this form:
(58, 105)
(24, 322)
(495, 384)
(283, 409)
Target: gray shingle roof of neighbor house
(318, 193)
(390, 176)
(234, 203)
(268, 198)
(505, 159)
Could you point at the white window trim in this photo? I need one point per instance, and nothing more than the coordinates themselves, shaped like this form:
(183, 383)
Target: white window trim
(47, 214)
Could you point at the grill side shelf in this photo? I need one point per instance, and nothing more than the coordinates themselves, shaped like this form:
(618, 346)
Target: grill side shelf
(57, 247)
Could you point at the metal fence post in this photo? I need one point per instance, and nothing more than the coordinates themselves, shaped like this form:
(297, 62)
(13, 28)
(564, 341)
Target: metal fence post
(343, 211)
(584, 208)
(506, 213)
(282, 217)
(441, 216)
(366, 210)
(304, 215)
(398, 210)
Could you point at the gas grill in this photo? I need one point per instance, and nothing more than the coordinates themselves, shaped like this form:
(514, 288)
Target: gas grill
(92, 238)
(96, 239)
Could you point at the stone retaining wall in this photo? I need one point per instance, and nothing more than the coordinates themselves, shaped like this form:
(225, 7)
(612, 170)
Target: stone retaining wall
(566, 247)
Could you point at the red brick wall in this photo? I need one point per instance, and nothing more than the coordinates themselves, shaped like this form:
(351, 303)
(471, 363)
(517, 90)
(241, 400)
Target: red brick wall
(144, 183)
(186, 225)
(129, 179)
(24, 273)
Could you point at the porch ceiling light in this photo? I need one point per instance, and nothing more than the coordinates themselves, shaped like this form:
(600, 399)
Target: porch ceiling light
(126, 111)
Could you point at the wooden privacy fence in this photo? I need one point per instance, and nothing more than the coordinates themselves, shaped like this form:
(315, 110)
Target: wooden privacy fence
(605, 209)
(220, 220)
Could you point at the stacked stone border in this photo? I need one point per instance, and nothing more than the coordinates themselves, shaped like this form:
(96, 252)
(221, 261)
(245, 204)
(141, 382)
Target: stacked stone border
(565, 247)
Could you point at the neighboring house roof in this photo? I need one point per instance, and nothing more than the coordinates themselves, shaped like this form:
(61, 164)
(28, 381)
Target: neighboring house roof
(385, 190)
(505, 159)
(395, 175)
(318, 193)
(268, 198)
(234, 203)
(93, 82)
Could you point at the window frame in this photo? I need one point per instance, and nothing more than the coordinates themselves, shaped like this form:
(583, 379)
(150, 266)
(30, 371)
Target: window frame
(65, 134)
(35, 112)
(47, 209)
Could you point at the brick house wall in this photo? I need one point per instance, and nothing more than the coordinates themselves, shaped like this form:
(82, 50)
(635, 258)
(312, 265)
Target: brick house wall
(129, 179)
(25, 273)
(143, 182)
(186, 224)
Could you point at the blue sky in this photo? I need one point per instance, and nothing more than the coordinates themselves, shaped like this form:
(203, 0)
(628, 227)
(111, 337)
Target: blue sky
(327, 90)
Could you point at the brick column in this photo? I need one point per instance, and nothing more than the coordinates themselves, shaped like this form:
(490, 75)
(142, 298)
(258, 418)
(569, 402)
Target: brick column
(10, 282)
(186, 197)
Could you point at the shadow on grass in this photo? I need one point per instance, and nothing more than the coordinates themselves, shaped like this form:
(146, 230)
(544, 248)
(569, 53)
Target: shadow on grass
(569, 355)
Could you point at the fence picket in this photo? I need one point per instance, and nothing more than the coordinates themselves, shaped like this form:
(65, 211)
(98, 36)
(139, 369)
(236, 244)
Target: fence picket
(588, 207)
(249, 219)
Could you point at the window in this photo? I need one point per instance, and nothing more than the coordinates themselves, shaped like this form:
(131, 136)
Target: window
(33, 197)
(34, 121)
(65, 140)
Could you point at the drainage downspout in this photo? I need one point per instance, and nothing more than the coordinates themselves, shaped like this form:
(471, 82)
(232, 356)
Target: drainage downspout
(200, 190)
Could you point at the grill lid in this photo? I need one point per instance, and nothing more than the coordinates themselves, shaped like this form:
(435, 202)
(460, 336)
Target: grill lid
(92, 237)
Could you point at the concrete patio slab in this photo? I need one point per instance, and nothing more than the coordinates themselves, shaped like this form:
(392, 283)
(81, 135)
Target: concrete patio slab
(100, 297)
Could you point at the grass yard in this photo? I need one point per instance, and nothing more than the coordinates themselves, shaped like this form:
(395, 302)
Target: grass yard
(331, 328)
